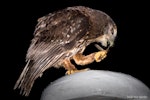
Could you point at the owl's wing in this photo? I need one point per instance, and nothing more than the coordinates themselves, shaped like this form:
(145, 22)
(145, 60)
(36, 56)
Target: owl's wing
(55, 36)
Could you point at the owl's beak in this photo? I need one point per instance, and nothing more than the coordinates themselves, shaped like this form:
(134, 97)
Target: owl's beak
(101, 47)
(106, 41)
(110, 43)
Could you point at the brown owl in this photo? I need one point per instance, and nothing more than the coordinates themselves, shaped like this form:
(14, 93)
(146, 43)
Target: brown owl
(62, 36)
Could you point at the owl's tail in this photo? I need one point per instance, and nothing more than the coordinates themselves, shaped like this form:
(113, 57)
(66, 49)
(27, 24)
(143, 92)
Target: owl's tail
(23, 80)
(35, 68)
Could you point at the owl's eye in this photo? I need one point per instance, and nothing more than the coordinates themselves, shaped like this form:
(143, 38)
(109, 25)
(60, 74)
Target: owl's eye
(112, 31)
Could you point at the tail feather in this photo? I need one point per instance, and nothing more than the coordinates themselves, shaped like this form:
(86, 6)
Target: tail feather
(22, 80)
(33, 70)
(22, 76)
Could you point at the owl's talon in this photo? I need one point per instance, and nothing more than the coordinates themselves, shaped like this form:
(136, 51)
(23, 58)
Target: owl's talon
(100, 55)
(75, 71)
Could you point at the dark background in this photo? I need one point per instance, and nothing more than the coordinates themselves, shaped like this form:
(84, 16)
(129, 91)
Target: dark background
(129, 55)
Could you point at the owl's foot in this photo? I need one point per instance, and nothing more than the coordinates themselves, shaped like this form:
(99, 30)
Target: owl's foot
(69, 67)
(75, 71)
(81, 59)
(100, 55)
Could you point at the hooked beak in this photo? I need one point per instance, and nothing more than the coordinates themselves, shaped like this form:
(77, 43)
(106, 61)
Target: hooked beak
(104, 46)
(100, 47)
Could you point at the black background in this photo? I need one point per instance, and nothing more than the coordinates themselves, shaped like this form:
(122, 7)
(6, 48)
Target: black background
(129, 54)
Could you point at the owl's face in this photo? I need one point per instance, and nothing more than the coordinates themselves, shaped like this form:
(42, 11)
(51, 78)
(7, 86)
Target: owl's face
(108, 37)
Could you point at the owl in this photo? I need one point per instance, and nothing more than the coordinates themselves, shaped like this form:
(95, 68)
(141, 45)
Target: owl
(62, 36)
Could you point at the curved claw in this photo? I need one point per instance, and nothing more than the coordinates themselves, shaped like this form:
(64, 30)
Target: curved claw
(100, 55)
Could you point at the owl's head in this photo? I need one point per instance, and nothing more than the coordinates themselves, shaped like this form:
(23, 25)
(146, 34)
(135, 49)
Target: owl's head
(108, 33)
(109, 36)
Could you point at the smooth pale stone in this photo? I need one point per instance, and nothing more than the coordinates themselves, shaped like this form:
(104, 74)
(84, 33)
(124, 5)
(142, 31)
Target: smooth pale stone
(96, 85)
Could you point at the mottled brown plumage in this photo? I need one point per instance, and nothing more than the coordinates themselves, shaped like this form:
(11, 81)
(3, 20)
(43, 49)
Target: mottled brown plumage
(61, 35)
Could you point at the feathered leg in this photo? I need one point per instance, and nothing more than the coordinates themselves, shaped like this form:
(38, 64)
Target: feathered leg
(70, 67)
(81, 59)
